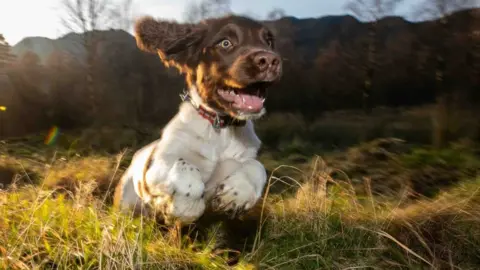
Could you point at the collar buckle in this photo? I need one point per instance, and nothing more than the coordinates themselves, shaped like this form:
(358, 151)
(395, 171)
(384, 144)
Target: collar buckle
(216, 122)
(185, 96)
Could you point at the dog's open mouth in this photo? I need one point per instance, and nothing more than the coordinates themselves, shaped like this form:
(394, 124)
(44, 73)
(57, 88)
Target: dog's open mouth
(247, 100)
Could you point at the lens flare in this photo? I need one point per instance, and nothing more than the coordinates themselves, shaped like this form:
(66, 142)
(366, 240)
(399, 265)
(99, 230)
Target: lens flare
(52, 135)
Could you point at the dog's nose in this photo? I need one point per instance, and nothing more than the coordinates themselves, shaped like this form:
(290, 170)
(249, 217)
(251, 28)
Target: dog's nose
(265, 60)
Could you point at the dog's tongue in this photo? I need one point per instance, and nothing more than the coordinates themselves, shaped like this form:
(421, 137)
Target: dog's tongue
(248, 103)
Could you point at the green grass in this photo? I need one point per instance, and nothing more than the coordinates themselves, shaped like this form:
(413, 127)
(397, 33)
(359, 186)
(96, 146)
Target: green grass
(44, 231)
(63, 218)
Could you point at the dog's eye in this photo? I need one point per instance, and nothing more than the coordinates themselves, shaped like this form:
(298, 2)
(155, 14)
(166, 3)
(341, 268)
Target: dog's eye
(225, 43)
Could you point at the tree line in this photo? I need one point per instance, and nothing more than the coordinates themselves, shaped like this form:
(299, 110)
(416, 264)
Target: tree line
(344, 63)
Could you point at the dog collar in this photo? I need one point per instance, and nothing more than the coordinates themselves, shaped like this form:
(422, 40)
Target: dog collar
(216, 119)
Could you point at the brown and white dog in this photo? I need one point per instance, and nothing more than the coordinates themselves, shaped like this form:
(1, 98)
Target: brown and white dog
(207, 153)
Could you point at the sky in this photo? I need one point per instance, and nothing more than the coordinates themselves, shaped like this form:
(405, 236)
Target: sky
(26, 18)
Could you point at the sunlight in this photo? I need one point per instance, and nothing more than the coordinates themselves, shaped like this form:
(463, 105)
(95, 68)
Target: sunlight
(24, 18)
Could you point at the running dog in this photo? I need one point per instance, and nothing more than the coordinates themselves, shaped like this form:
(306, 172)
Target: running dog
(206, 156)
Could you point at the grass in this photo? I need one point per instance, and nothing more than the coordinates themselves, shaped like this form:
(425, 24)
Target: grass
(341, 129)
(61, 218)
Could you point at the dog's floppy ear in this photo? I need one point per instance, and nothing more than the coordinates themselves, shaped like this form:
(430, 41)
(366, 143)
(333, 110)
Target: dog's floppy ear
(177, 44)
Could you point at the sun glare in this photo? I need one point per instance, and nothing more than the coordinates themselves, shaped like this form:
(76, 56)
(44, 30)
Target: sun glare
(38, 18)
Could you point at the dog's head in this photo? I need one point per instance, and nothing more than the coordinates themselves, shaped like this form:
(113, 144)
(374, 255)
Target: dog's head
(230, 60)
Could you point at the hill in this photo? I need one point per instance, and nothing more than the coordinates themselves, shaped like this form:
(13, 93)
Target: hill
(325, 64)
(70, 43)
(309, 36)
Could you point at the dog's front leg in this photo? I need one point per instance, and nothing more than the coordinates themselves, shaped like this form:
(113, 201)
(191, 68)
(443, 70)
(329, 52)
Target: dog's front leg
(236, 186)
(163, 181)
(176, 188)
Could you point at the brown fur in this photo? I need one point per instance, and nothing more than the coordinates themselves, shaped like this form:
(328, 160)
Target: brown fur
(195, 51)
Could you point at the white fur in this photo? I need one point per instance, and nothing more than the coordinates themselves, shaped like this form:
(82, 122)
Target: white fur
(194, 164)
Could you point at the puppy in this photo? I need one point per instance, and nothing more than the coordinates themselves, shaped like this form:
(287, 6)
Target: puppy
(206, 156)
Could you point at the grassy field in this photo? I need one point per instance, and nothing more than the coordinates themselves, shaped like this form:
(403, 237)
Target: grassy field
(384, 204)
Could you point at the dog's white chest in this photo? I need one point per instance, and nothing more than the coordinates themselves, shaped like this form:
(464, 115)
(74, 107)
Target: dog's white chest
(209, 150)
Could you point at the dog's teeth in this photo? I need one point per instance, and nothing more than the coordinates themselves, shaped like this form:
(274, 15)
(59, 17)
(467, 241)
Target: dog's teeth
(263, 100)
(243, 99)
(249, 107)
(231, 93)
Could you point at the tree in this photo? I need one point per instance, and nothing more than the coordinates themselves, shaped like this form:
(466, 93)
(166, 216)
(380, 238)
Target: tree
(122, 15)
(371, 11)
(276, 14)
(88, 17)
(31, 86)
(196, 12)
(6, 57)
(330, 71)
(472, 59)
(66, 106)
(438, 43)
(367, 60)
(472, 56)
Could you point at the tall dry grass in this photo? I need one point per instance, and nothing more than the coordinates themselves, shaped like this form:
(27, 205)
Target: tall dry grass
(317, 222)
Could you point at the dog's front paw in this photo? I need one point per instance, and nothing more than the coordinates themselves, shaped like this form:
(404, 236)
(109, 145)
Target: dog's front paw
(187, 189)
(185, 179)
(235, 195)
(184, 209)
